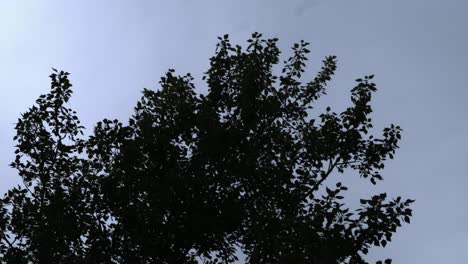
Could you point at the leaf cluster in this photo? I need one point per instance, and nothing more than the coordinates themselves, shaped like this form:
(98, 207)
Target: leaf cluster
(191, 178)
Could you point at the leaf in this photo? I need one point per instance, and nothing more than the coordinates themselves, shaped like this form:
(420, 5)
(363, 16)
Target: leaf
(407, 219)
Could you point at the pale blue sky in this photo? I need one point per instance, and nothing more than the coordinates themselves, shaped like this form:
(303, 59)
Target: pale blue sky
(417, 50)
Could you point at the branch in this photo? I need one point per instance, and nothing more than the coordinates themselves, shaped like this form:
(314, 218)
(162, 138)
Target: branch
(331, 165)
(27, 188)
(348, 162)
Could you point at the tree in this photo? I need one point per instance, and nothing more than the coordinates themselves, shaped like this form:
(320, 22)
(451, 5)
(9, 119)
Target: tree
(194, 177)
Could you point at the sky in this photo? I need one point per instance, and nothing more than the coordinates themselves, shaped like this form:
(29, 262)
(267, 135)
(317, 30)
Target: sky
(416, 49)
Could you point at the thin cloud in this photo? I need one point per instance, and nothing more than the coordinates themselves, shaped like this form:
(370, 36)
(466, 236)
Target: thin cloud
(304, 5)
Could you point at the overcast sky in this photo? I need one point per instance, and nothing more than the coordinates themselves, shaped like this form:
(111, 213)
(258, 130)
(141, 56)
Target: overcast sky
(416, 49)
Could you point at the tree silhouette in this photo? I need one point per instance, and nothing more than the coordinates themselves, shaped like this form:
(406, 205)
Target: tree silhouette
(191, 178)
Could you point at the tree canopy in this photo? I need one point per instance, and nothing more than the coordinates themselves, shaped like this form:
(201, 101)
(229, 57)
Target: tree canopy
(194, 178)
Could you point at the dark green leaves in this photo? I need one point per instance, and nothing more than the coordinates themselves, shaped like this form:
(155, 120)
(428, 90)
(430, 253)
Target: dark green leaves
(193, 176)
(387, 261)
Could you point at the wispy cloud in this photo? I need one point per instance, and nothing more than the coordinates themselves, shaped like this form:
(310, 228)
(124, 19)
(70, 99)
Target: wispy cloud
(304, 5)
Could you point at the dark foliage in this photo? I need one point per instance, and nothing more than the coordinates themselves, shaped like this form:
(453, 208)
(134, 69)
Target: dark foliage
(193, 178)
